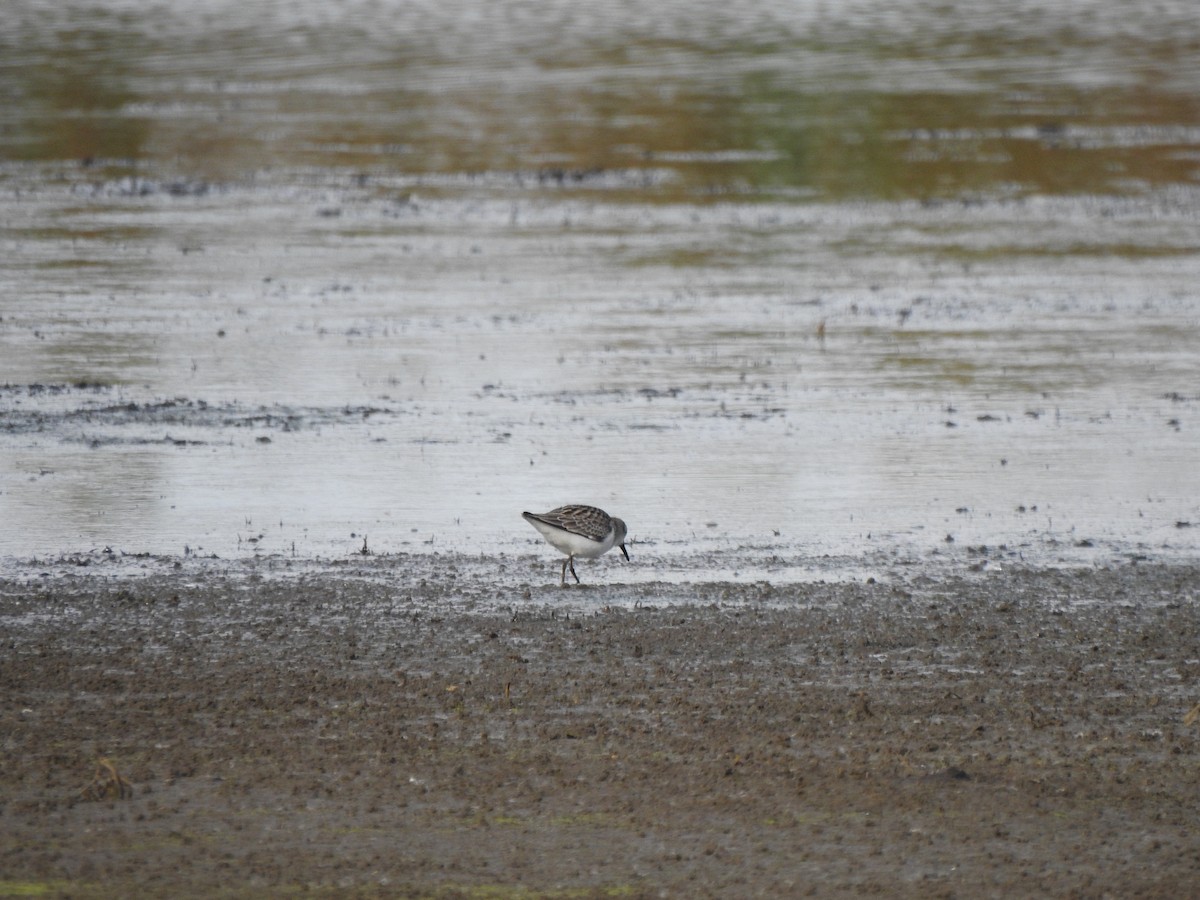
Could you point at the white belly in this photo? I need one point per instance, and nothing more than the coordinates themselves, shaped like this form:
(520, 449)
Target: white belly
(573, 544)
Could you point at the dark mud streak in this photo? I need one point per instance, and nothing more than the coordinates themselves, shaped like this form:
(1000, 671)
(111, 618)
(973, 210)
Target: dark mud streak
(180, 412)
(409, 724)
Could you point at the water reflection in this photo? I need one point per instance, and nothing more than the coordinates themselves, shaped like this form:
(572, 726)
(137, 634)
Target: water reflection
(915, 100)
(76, 497)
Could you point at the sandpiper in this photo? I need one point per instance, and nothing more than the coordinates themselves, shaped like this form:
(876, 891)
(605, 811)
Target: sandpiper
(579, 531)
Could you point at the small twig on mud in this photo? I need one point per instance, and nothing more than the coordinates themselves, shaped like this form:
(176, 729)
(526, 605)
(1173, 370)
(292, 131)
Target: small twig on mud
(108, 784)
(1192, 715)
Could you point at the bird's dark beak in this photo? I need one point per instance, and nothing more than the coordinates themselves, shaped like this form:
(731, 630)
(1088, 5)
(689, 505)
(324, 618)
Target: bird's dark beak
(626, 552)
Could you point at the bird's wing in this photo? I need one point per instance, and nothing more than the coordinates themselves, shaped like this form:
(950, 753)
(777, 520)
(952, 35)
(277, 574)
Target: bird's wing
(585, 521)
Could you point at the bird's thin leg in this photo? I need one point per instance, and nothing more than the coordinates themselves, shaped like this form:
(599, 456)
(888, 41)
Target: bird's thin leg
(563, 583)
(571, 560)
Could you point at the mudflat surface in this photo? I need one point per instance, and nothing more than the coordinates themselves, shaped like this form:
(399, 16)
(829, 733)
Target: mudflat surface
(443, 725)
(875, 322)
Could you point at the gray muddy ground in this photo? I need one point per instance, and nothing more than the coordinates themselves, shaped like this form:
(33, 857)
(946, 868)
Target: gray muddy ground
(442, 725)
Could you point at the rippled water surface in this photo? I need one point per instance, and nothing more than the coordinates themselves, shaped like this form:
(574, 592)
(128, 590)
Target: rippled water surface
(803, 279)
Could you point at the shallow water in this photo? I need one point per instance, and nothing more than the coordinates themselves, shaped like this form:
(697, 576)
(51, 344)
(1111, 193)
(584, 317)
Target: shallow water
(888, 279)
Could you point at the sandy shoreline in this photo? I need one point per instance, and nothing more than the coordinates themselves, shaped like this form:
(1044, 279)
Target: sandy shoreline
(404, 726)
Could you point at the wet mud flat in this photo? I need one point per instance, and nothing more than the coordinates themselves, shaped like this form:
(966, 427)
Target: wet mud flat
(442, 725)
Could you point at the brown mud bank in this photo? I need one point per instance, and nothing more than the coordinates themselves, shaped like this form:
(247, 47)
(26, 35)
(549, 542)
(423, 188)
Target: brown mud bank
(414, 726)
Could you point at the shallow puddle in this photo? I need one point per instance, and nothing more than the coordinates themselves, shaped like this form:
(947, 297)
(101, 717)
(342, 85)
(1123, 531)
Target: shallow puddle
(869, 281)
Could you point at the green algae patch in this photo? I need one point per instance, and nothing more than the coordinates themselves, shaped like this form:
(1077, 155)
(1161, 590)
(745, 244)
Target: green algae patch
(36, 888)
